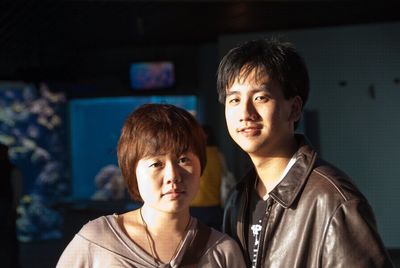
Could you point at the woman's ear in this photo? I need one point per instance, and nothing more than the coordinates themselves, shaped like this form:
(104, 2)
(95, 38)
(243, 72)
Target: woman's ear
(296, 108)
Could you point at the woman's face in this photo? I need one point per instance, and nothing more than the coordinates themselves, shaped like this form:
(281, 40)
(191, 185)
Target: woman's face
(168, 182)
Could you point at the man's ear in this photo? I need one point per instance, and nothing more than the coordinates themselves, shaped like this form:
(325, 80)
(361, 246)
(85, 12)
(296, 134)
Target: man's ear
(296, 108)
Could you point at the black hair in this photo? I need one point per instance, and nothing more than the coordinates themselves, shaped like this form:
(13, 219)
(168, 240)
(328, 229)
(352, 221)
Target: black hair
(277, 59)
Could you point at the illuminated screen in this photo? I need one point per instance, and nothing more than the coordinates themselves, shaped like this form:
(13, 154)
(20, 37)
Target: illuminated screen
(152, 75)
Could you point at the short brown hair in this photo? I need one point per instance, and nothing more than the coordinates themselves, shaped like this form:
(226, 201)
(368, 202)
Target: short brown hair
(157, 129)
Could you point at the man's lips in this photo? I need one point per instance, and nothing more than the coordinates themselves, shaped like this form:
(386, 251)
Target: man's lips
(249, 129)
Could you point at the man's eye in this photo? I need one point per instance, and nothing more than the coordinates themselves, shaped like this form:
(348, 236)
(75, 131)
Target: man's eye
(261, 98)
(233, 100)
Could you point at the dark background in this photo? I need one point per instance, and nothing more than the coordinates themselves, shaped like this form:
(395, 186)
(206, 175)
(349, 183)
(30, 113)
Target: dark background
(84, 48)
(76, 41)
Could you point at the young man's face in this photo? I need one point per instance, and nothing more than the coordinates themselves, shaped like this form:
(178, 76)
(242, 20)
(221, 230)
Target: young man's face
(259, 119)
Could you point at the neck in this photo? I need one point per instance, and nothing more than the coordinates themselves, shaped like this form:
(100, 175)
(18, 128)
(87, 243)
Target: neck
(159, 222)
(270, 167)
(164, 232)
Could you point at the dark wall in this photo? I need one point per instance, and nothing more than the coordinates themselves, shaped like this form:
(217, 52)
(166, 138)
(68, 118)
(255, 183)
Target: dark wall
(100, 72)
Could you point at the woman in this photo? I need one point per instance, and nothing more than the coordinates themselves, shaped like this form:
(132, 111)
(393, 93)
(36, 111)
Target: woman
(161, 153)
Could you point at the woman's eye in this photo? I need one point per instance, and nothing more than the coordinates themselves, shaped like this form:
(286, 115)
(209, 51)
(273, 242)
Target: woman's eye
(184, 160)
(156, 164)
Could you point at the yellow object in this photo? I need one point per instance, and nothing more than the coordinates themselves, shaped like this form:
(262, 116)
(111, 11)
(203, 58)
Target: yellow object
(209, 193)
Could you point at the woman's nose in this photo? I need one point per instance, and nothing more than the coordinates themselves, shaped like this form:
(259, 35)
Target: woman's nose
(172, 174)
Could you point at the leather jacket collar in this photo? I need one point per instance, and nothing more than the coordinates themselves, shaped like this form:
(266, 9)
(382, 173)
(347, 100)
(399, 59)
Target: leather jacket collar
(288, 189)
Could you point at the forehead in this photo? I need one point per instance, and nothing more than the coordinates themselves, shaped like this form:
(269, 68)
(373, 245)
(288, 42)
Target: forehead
(250, 81)
(256, 77)
(169, 155)
(163, 146)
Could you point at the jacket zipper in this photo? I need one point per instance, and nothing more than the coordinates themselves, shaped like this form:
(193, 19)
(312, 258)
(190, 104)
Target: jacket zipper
(263, 234)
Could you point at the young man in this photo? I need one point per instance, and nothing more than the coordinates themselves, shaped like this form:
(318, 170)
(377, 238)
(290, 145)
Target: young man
(292, 209)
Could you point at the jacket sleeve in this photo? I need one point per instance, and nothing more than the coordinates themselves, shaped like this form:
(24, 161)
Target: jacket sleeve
(352, 240)
(233, 205)
(232, 254)
(226, 222)
(231, 215)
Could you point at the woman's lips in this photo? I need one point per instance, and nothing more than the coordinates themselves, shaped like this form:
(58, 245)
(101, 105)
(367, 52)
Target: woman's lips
(173, 194)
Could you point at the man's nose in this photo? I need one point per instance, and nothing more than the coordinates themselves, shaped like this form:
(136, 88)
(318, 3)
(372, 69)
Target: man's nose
(247, 111)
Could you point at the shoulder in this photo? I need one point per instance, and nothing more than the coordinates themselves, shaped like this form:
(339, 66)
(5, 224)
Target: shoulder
(97, 244)
(324, 178)
(220, 240)
(223, 251)
(76, 254)
(97, 228)
(104, 234)
(96, 224)
(214, 238)
(329, 180)
(80, 250)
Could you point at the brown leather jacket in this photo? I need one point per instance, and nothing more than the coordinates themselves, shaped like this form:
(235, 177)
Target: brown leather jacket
(316, 217)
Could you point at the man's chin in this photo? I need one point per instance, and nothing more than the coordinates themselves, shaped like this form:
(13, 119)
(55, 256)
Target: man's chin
(250, 149)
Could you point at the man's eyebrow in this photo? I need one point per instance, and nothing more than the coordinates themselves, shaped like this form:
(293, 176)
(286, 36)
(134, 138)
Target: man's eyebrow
(264, 87)
(259, 88)
(231, 92)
